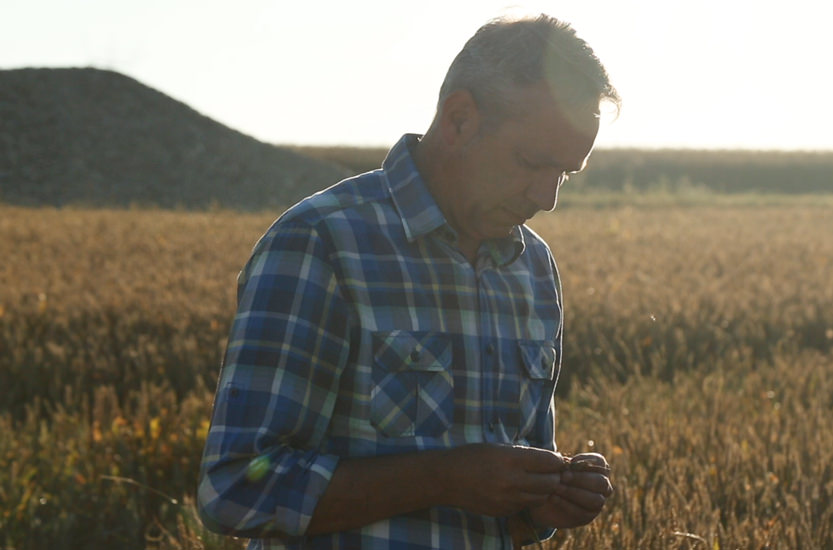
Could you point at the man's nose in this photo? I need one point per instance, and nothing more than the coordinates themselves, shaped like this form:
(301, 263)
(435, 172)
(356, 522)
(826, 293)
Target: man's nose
(544, 190)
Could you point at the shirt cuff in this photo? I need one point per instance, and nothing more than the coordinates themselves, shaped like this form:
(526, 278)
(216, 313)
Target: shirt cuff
(321, 472)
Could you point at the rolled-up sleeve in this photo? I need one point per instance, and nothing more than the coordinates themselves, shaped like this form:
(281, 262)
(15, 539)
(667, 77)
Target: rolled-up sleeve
(262, 474)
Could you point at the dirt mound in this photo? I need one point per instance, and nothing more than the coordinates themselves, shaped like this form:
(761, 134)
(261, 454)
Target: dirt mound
(99, 138)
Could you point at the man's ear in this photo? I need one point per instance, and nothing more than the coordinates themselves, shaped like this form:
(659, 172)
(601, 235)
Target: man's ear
(460, 119)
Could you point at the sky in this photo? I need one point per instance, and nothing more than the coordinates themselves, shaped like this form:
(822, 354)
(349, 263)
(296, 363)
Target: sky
(710, 74)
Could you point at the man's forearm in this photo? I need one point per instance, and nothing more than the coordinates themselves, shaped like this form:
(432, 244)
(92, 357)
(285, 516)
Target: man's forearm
(365, 490)
(494, 480)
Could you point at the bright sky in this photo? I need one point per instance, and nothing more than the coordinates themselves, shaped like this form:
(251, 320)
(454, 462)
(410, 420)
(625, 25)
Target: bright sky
(697, 74)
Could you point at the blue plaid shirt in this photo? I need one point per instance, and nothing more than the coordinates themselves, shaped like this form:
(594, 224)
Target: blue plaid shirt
(361, 331)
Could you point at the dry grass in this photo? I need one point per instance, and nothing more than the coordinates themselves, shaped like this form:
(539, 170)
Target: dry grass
(698, 348)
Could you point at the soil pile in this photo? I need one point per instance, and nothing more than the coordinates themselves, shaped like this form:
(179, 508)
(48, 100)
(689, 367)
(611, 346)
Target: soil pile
(98, 138)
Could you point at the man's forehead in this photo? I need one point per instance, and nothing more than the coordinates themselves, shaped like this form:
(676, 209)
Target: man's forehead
(530, 100)
(552, 133)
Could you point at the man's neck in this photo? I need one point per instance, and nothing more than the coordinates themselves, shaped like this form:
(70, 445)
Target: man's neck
(431, 164)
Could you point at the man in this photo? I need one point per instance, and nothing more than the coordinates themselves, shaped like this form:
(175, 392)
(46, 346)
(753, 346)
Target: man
(390, 372)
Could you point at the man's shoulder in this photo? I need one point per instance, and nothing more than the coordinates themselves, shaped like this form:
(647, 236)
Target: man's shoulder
(349, 195)
(331, 214)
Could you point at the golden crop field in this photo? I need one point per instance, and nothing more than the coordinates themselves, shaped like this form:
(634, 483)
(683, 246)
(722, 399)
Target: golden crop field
(697, 359)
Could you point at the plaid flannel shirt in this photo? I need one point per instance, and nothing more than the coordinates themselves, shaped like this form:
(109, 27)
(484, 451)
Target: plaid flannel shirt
(362, 330)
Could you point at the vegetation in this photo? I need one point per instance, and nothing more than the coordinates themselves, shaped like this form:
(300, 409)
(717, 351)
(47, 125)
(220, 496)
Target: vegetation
(697, 352)
(686, 172)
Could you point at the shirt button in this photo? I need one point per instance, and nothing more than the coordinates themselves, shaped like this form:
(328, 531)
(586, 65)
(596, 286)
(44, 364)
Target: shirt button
(415, 355)
(490, 349)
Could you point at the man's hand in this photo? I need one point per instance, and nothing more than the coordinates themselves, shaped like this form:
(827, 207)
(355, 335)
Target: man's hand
(580, 495)
(501, 480)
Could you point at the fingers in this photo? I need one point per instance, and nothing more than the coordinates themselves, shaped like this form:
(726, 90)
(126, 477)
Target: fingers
(575, 500)
(540, 483)
(587, 491)
(587, 466)
(593, 458)
(589, 481)
(569, 514)
(569, 507)
(589, 462)
(580, 494)
(540, 460)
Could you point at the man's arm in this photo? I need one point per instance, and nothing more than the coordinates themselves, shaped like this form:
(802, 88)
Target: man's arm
(261, 474)
(494, 480)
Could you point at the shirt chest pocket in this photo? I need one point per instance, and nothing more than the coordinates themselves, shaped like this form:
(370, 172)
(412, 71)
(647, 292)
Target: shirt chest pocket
(412, 391)
(536, 383)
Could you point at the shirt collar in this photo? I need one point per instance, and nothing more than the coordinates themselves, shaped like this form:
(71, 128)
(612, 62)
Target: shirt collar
(415, 204)
(508, 249)
(419, 211)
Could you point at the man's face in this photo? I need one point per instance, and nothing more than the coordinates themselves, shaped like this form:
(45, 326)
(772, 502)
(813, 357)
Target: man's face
(509, 172)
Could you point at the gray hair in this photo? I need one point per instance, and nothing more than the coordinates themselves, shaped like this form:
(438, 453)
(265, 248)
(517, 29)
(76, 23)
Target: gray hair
(506, 55)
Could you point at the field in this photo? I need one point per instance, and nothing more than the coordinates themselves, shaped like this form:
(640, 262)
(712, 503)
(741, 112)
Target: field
(697, 358)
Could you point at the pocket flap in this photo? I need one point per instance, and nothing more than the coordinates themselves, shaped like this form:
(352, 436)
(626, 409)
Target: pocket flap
(405, 350)
(539, 359)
